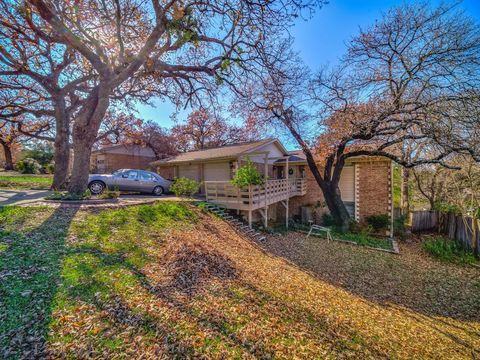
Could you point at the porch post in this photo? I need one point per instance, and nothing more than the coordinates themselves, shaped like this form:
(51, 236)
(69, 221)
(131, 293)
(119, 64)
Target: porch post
(266, 187)
(288, 192)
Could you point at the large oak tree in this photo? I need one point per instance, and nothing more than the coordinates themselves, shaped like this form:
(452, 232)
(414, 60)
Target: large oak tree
(187, 47)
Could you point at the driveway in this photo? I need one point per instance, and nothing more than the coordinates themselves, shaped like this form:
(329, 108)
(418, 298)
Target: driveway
(18, 197)
(24, 197)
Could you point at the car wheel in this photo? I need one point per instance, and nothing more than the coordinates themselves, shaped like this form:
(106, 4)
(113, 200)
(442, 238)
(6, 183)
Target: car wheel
(158, 190)
(96, 187)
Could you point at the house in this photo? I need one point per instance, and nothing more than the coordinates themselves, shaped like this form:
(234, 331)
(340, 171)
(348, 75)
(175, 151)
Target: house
(290, 191)
(111, 158)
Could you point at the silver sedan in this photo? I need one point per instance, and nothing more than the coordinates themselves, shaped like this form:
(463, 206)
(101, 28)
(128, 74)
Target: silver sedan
(130, 180)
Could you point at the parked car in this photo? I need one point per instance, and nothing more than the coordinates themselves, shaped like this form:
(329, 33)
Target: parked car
(129, 180)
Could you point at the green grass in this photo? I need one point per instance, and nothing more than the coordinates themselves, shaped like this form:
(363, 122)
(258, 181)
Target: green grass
(21, 181)
(448, 250)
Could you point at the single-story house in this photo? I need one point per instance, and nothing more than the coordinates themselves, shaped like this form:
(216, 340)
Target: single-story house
(365, 183)
(111, 158)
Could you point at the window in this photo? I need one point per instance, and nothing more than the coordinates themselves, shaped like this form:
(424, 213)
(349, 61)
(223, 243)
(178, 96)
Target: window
(132, 175)
(146, 176)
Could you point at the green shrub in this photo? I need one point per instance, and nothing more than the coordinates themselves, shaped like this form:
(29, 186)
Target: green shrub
(42, 153)
(399, 229)
(328, 220)
(378, 222)
(28, 166)
(447, 250)
(246, 175)
(184, 187)
(49, 168)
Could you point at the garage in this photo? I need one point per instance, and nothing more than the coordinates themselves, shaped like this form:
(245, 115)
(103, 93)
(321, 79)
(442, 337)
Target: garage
(189, 171)
(217, 171)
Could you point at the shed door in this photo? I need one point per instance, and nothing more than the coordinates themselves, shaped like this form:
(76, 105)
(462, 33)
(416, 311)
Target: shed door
(347, 184)
(189, 171)
(217, 171)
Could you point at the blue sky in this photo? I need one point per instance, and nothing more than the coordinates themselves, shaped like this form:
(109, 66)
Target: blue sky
(320, 40)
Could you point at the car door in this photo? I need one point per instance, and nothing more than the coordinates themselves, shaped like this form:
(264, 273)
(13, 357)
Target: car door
(129, 181)
(146, 181)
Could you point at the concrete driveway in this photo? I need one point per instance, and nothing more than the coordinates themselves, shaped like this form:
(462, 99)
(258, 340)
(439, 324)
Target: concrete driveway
(25, 197)
(18, 197)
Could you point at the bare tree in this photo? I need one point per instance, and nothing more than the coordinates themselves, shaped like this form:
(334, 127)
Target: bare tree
(204, 129)
(407, 79)
(187, 47)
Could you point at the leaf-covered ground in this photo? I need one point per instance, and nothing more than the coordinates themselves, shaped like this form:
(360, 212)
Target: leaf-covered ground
(166, 280)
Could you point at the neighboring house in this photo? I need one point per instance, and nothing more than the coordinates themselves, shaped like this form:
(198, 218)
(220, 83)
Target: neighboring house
(365, 183)
(111, 158)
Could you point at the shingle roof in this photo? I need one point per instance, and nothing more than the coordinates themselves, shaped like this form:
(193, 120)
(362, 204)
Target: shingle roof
(222, 152)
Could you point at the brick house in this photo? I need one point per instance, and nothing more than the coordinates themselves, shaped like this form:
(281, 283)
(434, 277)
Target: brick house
(291, 190)
(111, 158)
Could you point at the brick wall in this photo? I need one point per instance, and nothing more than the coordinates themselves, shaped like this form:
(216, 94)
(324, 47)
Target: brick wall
(374, 194)
(167, 172)
(114, 162)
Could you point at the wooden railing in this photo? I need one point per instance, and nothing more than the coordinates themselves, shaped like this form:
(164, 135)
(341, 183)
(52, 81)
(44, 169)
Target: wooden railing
(255, 196)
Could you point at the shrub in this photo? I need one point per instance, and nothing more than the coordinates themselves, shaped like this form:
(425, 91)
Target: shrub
(328, 220)
(109, 194)
(49, 168)
(378, 222)
(399, 229)
(447, 250)
(184, 186)
(28, 166)
(42, 153)
(246, 175)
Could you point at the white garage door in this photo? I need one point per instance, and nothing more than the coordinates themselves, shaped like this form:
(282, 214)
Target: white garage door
(347, 183)
(217, 172)
(189, 171)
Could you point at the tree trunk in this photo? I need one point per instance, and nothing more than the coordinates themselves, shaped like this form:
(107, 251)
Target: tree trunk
(405, 190)
(336, 206)
(61, 146)
(8, 157)
(85, 132)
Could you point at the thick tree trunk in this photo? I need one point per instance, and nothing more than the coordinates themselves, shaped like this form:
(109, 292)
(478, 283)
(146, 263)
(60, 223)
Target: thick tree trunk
(336, 206)
(8, 157)
(61, 146)
(85, 132)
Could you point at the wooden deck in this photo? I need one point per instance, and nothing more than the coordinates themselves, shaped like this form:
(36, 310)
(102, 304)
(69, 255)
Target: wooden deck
(255, 196)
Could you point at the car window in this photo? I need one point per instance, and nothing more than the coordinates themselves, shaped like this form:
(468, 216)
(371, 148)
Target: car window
(146, 176)
(132, 174)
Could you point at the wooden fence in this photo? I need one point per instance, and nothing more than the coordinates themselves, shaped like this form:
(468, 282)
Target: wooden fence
(463, 229)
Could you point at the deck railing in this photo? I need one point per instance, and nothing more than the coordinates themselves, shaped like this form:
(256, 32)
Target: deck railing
(254, 196)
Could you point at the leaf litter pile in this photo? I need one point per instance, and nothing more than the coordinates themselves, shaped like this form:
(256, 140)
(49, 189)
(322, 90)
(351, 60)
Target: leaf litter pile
(168, 281)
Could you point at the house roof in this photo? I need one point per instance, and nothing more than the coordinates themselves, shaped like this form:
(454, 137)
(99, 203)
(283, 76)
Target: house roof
(223, 152)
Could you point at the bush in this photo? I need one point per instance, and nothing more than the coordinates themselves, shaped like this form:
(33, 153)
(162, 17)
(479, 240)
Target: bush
(49, 168)
(246, 175)
(42, 153)
(378, 222)
(328, 220)
(184, 186)
(399, 229)
(447, 250)
(28, 166)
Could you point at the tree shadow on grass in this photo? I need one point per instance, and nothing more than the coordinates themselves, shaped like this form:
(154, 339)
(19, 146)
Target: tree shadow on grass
(29, 277)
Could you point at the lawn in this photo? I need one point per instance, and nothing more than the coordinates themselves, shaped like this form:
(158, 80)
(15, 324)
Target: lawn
(168, 281)
(14, 180)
